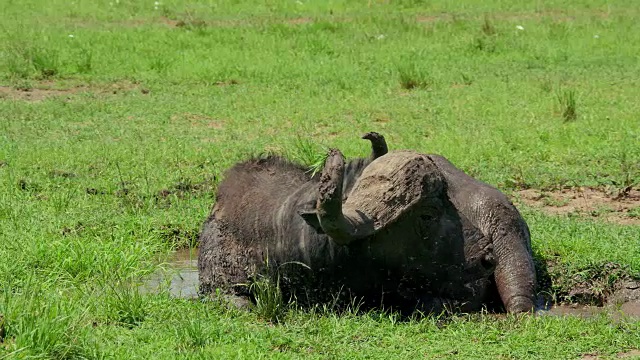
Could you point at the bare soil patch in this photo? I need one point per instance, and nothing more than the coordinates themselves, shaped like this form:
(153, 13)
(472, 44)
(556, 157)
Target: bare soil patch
(618, 207)
(33, 94)
(49, 89)
(631, 354)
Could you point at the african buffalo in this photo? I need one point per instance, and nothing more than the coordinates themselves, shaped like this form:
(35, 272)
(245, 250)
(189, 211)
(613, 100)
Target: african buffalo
(399, 229)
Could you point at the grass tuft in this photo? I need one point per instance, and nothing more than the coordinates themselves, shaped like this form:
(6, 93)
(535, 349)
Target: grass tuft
(194, 334)
(161, 64)
(309, 154)
(45, 61)
(318, 164)
(39, 324)
(125, 305)
(484, 44)
(567, 102)
(488, 28)
(413, 76)
(629, 169)
(466, 79)
(269, 302)
(84, 64)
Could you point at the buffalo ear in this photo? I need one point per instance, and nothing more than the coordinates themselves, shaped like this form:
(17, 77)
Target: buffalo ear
(311, 218)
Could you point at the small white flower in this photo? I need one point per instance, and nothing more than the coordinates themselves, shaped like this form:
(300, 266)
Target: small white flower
(519, 27)
(156, 3)
(380, 37)
(71, 36)
(596, 36)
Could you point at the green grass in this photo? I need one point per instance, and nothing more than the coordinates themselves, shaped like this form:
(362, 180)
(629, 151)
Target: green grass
(147, 107)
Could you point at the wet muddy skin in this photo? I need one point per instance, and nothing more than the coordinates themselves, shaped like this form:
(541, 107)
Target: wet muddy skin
(180, 278)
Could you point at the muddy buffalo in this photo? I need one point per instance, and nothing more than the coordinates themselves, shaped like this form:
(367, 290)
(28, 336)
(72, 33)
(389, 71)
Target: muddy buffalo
(398, 229)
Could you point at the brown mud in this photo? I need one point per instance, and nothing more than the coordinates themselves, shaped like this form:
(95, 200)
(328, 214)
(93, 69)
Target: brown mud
(631, 354)
(627, 310)
(592, 284)
(179, 276)
(620, 207)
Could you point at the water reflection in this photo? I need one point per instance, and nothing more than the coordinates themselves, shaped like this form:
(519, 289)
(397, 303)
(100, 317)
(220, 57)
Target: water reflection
(179, 276)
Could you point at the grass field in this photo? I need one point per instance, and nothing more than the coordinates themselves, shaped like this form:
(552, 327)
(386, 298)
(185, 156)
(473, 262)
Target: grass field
(117, 119)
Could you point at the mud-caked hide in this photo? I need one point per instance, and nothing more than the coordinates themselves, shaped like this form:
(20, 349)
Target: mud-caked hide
(399, 232)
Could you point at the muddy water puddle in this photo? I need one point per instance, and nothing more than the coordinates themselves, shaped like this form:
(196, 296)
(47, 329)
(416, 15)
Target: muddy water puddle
(628, 310)
(178, 276)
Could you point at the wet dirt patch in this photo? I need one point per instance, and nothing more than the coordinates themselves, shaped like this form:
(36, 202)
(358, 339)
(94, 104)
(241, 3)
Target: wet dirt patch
(631, 354)
(179, 276)
(597, 284)
(48, 89)
(621, 207)
(629, 310)
(603, 289)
